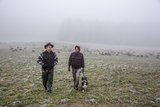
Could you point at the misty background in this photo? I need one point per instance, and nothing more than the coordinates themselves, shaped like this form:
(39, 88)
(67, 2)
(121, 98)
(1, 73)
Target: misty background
(114, 22)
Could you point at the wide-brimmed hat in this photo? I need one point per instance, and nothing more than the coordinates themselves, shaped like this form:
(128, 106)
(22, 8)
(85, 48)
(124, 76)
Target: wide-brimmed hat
(48, 44)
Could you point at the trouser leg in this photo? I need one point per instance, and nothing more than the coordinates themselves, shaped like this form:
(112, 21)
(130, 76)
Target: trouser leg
(44, 79)
(50, 79)
(74, 75)
(77, 77)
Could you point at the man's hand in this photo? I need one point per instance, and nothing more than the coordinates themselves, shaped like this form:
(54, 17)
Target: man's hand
(41, 63)
(55, 63)
(82, 69)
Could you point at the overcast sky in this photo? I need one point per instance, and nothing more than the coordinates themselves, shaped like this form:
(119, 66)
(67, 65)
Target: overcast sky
(119, 22)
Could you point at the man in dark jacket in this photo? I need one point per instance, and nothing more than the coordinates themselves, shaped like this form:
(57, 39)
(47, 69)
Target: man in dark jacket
(76, 61)
(48, 59)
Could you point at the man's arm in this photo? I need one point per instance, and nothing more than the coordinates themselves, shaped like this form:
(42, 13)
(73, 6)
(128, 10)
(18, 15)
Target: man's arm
(40, 59)
(69, 62)
(55, 59)
(83, 65)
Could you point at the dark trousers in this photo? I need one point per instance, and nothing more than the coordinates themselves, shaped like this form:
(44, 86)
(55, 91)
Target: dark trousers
(47, 78)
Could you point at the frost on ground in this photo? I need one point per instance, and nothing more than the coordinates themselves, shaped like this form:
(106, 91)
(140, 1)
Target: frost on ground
(121, 78)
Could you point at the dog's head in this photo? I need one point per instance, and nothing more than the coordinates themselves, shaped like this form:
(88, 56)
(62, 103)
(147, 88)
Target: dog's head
(84, 81)
(84, 78)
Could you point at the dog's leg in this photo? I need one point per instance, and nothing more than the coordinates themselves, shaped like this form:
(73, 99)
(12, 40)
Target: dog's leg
(83, 90)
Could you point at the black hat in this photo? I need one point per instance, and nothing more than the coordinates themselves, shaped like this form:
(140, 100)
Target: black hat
(48, 44)
(78, 47)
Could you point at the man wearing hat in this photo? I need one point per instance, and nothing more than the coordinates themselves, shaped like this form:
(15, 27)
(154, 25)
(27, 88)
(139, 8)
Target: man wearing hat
(76, 61)
(48, 59)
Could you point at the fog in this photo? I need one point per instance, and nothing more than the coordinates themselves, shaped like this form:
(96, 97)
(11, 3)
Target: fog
(114, 22)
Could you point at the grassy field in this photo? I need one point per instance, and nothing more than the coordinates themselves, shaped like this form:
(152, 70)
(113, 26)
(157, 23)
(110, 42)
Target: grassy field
(117, 78)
